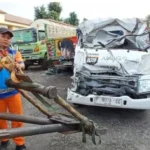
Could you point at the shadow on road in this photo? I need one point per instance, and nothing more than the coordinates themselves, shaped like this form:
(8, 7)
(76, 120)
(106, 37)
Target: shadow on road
(34, 68)
(110, 115)
(66, 71)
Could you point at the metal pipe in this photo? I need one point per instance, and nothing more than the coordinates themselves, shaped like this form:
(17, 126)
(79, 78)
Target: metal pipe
(50, 92)
(26, 119)
(35, 103)
(29, 131)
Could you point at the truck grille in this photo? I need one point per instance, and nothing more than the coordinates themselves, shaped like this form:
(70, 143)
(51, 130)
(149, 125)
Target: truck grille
(113, 85)
(26, 51)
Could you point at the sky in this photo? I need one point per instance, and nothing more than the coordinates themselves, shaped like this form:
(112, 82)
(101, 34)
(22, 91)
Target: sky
(90, 9)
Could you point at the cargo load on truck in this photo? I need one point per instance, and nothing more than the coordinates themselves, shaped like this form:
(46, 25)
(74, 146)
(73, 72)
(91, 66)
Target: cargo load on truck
(111, 65)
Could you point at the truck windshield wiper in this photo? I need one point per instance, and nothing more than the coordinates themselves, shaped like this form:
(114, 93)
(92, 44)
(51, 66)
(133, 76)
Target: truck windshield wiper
(101, 44)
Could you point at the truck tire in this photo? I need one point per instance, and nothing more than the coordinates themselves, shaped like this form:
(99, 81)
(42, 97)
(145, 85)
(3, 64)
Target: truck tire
(44, 63)
(26, 67)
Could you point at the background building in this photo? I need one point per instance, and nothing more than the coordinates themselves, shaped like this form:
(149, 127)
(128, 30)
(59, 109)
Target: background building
(13, 22)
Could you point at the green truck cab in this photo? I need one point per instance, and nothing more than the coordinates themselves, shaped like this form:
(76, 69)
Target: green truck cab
(30, 45)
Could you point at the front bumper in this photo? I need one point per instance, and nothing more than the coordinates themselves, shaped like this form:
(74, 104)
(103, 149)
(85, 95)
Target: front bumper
(32, 57)
(108, 101)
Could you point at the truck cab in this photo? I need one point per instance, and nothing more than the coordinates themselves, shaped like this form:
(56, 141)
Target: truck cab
(111, 65)
(29, 42)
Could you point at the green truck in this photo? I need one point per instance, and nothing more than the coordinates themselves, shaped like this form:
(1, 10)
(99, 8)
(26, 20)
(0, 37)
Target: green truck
(31, 41)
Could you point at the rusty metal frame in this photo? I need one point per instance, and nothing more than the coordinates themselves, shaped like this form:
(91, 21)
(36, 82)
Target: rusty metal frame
(54, 122)
(45, 125)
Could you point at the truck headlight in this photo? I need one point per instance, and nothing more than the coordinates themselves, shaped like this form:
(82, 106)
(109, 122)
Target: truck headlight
(144, 84)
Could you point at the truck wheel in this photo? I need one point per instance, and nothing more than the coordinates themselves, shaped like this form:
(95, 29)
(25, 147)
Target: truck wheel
(26, 66)
(44, 63)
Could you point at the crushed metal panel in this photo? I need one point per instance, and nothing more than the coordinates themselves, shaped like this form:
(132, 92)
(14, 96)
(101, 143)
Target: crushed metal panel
(104, 31)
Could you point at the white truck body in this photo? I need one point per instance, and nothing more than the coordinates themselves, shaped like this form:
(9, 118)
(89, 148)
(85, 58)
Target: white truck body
(110, 68)
(55, 29)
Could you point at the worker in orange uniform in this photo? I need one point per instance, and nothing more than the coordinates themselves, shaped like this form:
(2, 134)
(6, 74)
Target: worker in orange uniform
(10, 99)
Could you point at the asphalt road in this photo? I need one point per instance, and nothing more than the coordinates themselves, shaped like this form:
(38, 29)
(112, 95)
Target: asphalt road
(126, 129)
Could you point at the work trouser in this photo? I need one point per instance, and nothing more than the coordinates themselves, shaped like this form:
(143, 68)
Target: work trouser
(14, 105)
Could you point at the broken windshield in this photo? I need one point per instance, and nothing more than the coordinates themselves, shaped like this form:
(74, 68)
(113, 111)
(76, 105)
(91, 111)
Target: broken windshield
(123, 37)
(114, 33)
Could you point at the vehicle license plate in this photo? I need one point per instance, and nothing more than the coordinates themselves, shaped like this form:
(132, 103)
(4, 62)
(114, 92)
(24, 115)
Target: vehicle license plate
(109, 101)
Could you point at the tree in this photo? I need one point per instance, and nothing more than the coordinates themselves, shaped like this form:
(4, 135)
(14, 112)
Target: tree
(84, 19)
(67, 20)
(56, 7)
(40, 12)
(54, 10)
(147, 20)
(53, 15)
(72, 19)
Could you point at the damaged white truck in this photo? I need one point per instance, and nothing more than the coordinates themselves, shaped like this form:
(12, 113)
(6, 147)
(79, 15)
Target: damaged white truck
(112, 64)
